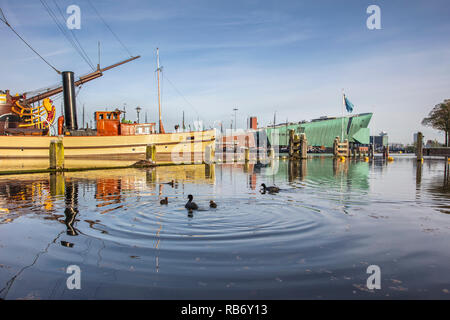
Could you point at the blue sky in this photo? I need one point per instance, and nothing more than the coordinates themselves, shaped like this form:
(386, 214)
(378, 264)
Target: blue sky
(292, 57)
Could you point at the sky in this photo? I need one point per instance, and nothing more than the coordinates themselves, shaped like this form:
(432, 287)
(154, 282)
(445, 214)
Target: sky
(292, 58)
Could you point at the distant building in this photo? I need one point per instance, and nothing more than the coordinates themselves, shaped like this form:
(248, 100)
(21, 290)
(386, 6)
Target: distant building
(396, 147)
(253, 123)
(380, 140)
(432, 144)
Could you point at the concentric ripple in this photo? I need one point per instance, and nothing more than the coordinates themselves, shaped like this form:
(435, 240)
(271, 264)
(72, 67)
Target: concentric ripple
(314, 239)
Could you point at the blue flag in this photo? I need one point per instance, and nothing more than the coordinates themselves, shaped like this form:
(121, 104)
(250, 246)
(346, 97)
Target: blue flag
(348, 104)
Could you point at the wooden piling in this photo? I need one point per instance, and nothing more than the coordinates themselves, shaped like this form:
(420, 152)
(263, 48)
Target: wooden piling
(419, 148)
(340, 149)
(56, 155)
(150, 152)
(247, 154)
(303, 146)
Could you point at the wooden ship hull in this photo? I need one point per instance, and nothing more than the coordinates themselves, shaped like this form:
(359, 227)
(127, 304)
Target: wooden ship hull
(25, 132)
(183, 147)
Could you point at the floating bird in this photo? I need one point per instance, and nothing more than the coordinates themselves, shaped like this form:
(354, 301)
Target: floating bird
(164, 201)
(212, 204)
(191, 205)
(271, 189)
(190, 213)
(259, 165)
(171, 183)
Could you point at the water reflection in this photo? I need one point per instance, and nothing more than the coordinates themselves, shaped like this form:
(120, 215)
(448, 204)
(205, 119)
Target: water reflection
(329, 218)
(439, 189)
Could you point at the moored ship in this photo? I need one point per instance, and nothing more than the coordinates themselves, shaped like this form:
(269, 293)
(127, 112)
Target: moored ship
(26, 130)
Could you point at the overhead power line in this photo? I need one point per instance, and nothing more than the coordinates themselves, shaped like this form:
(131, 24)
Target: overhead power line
(3, 19)
(78, 48)
(112, 32)
(76, 39)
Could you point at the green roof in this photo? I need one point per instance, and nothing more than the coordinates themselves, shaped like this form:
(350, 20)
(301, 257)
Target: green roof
(323, 131)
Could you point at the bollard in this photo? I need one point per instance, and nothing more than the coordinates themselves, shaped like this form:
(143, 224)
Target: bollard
(56, 155)
(150, 153)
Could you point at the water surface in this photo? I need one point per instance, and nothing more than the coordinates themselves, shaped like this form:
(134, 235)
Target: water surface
(313, 240)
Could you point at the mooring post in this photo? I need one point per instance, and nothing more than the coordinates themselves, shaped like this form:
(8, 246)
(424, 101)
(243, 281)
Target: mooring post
(419, 148)
(150, 153)
(291, 143)
(303, 146)
(335, 147)
(56, 155)
(346, 151)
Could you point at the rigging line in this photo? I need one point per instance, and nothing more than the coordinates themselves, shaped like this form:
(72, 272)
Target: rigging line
(29, 46)
(3, 18)
(115, 35)
(63, 30)
(170, 82)
(74, 36)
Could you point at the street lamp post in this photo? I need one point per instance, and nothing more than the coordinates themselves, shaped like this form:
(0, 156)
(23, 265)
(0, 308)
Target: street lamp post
(138, 109)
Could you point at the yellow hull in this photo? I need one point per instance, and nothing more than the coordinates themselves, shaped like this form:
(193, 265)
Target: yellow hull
(91, 151)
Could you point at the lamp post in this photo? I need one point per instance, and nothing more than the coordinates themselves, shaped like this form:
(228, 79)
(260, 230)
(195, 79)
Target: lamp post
(124, 111)
(138, 109)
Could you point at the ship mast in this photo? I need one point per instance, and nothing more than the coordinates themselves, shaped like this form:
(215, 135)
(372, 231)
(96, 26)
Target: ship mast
(161, 128)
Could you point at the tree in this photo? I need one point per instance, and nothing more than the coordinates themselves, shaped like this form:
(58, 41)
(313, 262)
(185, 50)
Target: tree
(439, 119)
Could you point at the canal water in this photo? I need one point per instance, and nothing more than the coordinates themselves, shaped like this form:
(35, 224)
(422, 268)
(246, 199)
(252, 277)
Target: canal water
(315, 239)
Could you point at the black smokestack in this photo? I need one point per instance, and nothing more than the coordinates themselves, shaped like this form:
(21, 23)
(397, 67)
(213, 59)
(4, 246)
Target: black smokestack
(70, 108)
